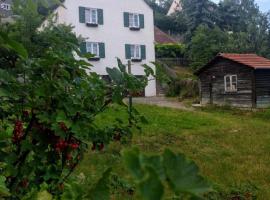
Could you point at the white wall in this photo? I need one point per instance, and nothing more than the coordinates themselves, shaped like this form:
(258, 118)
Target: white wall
(113, 33)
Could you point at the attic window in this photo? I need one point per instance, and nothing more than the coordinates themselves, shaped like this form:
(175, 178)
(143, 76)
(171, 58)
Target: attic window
(230, 83)
(5, 6)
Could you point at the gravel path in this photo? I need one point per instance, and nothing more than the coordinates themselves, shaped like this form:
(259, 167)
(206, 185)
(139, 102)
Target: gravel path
(162, 102)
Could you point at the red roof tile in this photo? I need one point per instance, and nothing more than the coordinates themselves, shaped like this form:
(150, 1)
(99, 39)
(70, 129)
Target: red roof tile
(251, 60)
(163, 38)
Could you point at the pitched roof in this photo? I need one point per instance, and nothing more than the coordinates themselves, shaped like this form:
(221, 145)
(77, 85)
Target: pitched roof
(251, 60)
(163, 38)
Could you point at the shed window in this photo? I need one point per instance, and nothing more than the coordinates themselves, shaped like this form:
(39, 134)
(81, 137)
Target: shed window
(91, 16)
(230, 82)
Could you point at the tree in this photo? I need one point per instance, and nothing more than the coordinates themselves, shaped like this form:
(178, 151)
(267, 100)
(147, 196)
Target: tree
(199, 12)
(205, 44)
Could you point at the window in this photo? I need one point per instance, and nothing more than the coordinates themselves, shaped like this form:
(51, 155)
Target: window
(91, 16)
(134, 20)
(93, 48)
(230, 82)
(135, 51)
(5, 6)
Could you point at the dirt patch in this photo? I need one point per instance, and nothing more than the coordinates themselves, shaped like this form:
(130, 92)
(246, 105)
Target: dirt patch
(162, 102)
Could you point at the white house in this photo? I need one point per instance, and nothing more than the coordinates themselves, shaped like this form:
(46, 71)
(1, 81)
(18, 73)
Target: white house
(5, 10)
(114, 28)
(176, 6)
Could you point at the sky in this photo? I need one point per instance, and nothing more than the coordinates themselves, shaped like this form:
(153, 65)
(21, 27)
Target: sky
(263, 4)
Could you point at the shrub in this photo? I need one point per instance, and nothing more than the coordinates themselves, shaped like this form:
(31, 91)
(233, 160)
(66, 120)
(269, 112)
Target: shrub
(47, 107)
(170, 50)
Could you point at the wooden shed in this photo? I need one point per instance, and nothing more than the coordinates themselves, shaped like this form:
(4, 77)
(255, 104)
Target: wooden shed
(241, 80)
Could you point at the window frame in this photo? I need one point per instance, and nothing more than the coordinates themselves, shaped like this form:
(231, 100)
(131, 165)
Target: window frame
(231, 83)
(5, 6)
(134, 56)
(132, 22)
(90, 48)
(89, 16)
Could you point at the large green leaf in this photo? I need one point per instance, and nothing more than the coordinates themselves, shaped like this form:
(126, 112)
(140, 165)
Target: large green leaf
(73, 191)
(4, 192)
(154, 162)
(44, 195)
(101, 191)
(151, 187)
(15, 46)
(132, 162)
(183, 175)
(121, 66)
(115, 74)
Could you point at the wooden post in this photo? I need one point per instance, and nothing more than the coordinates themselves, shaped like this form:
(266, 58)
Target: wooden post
(254, 93)
(129, 97)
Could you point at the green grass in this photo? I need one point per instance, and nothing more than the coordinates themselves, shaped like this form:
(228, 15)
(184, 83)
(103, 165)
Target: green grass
(231, 147)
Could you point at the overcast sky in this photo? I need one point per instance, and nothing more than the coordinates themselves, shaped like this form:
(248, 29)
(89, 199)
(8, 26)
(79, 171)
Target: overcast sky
(263, 4)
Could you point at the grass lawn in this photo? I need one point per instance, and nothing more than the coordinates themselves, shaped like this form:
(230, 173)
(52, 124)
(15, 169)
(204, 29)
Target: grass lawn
(230, 147)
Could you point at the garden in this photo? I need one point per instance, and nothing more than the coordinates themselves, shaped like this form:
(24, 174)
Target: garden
(67, 134)
(49, 104)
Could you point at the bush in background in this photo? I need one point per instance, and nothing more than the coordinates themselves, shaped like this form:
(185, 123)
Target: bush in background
(170, 50)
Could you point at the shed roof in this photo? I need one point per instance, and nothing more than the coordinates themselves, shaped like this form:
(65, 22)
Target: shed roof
(250, 60)
(163, 38)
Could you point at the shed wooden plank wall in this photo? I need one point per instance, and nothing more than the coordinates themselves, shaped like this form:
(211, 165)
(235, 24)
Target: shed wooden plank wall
(263, 88)
(222, 67)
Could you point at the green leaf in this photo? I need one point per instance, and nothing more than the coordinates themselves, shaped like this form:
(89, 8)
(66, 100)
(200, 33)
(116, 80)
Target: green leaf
(4, 192)
(121, 66)
(44, 195)
(102, 189)
(73, 191)
(115, 75)
(3, 93)
(61, 117)
(15, 46)
(183, 175)
(151, 187)
(155, 162)
(132, 162)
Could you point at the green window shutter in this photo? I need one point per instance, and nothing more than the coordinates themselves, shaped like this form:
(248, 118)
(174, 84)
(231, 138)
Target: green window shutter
(83, 47)
(101, 50)
(128, 52)
(141, 21)
(82, 14)
(143, 52)
(100, 17)
(126, 19)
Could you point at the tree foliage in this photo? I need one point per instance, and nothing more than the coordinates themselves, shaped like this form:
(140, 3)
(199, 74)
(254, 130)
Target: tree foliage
(233, 26)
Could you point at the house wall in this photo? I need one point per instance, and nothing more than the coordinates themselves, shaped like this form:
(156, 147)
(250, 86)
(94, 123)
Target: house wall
(262, 88)
(113, 33)
(220, 68)
(5, 14)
